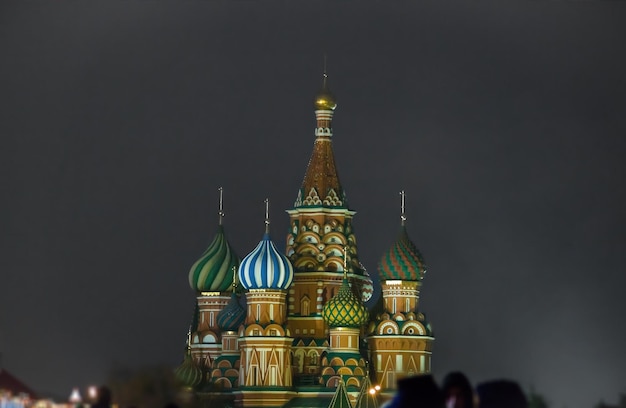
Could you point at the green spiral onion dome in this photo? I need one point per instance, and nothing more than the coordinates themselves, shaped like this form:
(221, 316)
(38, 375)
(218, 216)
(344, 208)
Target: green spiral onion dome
(189, 372)
(345, 309)
(403, 261)
(213, 271)
(232, 316)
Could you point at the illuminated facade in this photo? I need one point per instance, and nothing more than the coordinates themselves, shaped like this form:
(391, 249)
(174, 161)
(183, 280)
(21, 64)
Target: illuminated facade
(399, 337)
(303, 331)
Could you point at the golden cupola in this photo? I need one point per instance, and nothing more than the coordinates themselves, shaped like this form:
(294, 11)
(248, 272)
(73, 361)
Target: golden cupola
(325, 100)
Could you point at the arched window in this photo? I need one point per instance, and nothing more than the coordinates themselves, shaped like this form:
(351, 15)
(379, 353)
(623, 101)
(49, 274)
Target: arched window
(305, 306)
(313, 357)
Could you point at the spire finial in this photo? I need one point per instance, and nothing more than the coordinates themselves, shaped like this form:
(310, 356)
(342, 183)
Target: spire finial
(267, 215)
(189, 338)
(221, 207)
(325, 99)
(325, 74)
(234, 278)
(402, 215)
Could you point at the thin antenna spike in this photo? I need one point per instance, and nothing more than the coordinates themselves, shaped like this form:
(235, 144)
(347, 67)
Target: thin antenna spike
(402, 208)
(267, 215)
(325, 76)
(221, 206)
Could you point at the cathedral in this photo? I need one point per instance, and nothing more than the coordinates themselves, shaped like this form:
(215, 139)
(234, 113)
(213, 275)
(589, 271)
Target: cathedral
(291, 329)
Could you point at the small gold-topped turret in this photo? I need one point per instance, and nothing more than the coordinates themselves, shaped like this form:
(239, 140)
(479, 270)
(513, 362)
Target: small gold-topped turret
(325, 100)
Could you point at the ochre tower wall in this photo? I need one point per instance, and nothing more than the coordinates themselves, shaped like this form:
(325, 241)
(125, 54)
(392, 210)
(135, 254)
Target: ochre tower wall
(400, 341)
(317, 245)
(225, 370)
(344, 339)
(400, 296)
(205, 342)
(319, 240)
(265, 361)
(209, 305)
(311, 290)
(307, 296)
(343, 361)
(266, 306)
(265, 374)
(396, 356)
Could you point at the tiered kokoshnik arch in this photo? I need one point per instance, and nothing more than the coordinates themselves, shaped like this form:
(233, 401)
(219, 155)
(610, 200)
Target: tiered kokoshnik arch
(301, 338)
(400, 339)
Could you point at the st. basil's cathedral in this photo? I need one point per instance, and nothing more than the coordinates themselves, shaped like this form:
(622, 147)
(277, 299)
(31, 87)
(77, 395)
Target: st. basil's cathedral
(291, 329)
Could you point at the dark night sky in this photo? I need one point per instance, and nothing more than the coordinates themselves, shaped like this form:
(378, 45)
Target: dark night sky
(505, 122)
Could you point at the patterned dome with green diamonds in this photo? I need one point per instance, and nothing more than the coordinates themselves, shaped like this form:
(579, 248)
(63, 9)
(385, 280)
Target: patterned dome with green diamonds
(345, 309)
(213, 271)
(189, 372)
(403, 261)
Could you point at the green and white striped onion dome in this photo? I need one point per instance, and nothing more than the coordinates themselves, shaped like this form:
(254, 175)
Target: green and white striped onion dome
(189, 372)
(345, 309)
(213, 271)
(403, 261)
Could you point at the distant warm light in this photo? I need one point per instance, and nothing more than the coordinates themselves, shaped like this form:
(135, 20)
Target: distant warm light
(372, 391)
(75, 396)
(377, 387)
(93, 392)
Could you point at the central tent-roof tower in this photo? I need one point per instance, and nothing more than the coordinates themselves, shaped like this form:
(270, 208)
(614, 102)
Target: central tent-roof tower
(321, 246)
(321, 186)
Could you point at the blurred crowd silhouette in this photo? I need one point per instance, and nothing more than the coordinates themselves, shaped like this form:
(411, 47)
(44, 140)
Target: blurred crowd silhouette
(456, 391)
(422, 391)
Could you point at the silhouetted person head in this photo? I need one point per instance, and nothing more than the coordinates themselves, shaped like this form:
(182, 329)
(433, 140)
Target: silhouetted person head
(501, 394)
(103, 399)
(419, 391)
(457, 391)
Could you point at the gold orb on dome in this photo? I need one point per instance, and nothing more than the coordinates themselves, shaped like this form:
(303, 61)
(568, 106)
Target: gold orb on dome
(325, 100)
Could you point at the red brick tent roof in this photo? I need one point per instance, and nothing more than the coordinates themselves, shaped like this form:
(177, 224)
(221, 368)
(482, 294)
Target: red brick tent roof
(10, 383)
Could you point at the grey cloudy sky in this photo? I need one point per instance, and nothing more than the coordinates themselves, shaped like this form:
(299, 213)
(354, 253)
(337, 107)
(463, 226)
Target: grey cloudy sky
(503, 120)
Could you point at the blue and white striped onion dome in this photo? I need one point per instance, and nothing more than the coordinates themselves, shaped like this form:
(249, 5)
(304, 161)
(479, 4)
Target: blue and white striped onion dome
(265, 267)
